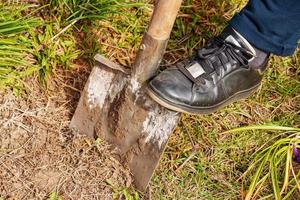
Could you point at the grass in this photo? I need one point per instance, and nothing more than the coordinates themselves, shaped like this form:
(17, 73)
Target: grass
(122, 192)
(41, 37)
(216, 169)
(272, 160)
(70, 32)
(15, 62)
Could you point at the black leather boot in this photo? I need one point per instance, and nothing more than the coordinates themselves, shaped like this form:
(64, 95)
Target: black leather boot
(224, 71)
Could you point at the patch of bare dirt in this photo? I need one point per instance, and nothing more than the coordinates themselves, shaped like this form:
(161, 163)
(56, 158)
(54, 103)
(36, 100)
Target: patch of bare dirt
(39, 155)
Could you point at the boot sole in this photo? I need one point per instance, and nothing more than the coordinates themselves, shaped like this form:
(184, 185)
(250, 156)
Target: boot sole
(200, 110)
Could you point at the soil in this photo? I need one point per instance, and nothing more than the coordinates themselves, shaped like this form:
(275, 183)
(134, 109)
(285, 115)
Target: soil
(39, 155)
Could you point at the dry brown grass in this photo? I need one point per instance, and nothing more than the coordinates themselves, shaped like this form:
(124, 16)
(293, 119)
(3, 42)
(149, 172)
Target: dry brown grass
(40, 155)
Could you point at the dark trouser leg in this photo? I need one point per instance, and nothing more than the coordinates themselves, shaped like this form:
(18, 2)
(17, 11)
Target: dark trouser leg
(270, 25)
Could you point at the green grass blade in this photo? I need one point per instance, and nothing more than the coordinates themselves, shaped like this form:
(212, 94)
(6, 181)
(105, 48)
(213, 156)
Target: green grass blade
(262, 127)
(256, 176)
(260, 184)
(268, 197)
(294, 184)
(274, 177)
(287, 169)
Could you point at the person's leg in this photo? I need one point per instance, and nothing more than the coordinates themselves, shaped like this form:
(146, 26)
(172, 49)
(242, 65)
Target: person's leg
(270, 25)
(231, 66)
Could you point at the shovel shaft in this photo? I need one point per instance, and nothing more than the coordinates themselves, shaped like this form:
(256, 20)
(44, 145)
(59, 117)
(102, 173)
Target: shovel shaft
(163, 19)
(155, 40)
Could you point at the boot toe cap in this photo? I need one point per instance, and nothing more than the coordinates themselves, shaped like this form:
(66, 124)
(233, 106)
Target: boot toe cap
(172, 86)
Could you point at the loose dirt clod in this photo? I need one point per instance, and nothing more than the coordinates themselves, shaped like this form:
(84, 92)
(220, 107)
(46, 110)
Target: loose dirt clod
(40, 155)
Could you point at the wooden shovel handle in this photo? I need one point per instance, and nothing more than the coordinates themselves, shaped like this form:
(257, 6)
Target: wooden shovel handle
(163, 18)
(155, 41)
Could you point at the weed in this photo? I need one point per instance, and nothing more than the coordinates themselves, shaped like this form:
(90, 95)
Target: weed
(51, 54)
(122, 193)
(273, 163)
(54, 196)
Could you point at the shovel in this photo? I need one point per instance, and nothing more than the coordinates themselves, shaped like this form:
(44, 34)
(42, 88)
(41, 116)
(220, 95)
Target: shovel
(115, 107)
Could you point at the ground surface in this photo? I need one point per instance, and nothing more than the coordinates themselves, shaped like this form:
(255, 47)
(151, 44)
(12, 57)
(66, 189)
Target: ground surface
(39, 155)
